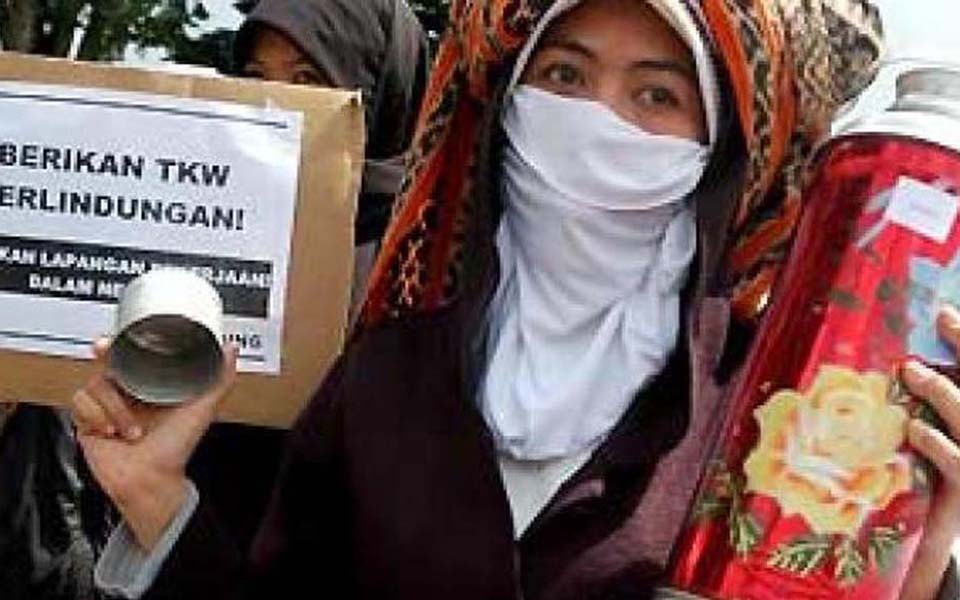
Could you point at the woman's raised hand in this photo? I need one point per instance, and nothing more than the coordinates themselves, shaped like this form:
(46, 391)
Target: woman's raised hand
(138, 453)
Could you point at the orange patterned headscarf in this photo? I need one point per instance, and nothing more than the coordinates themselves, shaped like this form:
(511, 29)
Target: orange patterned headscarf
(790, 63)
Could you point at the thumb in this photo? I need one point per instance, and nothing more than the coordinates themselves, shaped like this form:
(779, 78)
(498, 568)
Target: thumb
(100, 349)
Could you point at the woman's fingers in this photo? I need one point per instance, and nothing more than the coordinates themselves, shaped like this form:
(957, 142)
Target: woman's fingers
(100, 348)
(101, 408)
(89, 417)
(938, 448)
(937, 390)
(941, 394)
(948, 325)
(117, 408)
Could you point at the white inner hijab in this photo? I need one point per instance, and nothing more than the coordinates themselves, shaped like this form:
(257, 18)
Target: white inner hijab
(595, 244)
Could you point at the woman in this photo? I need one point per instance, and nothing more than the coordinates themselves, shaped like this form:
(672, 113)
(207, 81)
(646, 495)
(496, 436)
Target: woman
(375, 46)
(536, 378)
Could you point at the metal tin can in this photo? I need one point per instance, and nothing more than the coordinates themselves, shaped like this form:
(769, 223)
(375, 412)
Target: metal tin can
(813, 491)
(168, 343)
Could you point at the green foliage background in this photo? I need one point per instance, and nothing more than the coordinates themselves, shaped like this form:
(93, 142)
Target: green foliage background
(104, 29)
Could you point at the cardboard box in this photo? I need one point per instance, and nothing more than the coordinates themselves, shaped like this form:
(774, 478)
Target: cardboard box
(321, 250)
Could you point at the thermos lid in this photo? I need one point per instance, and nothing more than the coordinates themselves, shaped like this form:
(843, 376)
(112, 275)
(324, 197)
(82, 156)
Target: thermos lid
(939, 82)
(927, 108)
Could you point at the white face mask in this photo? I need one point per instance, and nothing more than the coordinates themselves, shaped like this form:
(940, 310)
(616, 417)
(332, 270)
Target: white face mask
(595, 244)
(587, 152)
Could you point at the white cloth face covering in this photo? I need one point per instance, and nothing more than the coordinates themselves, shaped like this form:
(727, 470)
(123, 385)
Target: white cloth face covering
(595, 244)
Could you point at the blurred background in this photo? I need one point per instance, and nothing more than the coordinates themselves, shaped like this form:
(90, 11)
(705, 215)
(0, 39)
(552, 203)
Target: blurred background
(918, 32)
(194, 32)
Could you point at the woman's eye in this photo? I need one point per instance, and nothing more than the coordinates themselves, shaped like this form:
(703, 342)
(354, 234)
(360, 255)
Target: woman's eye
(306, 78)
(658, 97)
(563, 74)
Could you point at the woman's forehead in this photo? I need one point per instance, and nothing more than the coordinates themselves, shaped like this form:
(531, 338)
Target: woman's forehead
(625, 29)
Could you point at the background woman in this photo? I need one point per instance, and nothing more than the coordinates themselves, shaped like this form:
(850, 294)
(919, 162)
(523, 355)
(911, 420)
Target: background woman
(375, 46)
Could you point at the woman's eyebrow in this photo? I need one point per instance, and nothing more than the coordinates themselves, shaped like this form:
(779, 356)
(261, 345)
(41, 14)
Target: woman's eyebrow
(563, 43)
(666, 64)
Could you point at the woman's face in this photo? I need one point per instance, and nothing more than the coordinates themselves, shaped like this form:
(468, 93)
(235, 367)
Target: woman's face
(275, 58)
(621, 53)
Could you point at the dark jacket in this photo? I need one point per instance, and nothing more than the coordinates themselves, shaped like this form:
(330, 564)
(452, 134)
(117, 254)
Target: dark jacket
(391, 490)
(54, 519)
(50, 528)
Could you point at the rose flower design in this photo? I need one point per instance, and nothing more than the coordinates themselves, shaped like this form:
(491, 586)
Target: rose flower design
(830, 455)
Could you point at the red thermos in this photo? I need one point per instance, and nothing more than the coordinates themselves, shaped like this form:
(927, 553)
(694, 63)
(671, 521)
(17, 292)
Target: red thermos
(813, 492)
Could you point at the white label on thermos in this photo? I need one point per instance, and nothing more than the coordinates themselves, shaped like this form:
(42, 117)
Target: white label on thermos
(923, 208)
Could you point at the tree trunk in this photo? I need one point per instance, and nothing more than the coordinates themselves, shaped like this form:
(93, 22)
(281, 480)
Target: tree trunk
(22, 29)
(65, 22)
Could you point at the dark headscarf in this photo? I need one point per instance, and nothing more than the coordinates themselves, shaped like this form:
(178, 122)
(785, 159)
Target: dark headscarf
(376, 46)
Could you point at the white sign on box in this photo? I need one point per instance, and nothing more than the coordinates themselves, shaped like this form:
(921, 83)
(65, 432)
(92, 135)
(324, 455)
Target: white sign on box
(97, 187)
